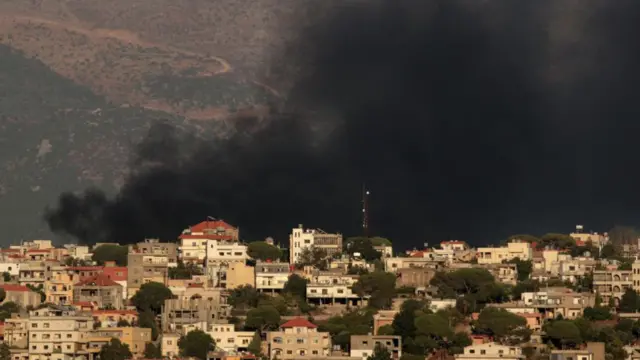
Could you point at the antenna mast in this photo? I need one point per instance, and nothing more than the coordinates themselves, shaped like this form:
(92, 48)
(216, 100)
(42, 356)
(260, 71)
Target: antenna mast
(365, 211)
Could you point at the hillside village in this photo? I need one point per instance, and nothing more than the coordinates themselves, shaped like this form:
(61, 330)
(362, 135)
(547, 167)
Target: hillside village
(209, 295)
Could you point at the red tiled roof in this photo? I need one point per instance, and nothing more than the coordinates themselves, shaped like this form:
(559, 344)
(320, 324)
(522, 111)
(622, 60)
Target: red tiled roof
(207, 236)
(97, 280)
(9, 250)
(14, 287)
(112, 272)
(211, 225)
(298, 322)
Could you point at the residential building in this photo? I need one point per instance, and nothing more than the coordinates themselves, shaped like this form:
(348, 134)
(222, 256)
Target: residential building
(613, 283)
(178, 313)
(573, 269)
(302, 238)
(225, 252)
(79, 252)
(10, 266)
(240, 274)
(154, 246)
(118, 274)
(414, 276)
(58, 333)
(16, 331)
(382, 318)
(331, 288)
(150, 264)
(598, 240)
(441, 304)
(198, 290)
(270, 276)
(497, 255)
(21, 295)
(384, 250)
(32, 273)
(534, 320)
(135, 337)
(592, 351)
(298, 338)
(362, 346)
(559, 301)
(393, 264)
(111, 318)
(490, 351)
(170, 345)
(455, 245)
(58, 288)
(101, 290)
(228, 339)
(194, 240)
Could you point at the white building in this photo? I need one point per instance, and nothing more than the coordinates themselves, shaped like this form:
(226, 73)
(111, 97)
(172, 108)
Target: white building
(302, 238)
(228, 339)
(328, 288)
(225, 252)
(490, 351)
(271, 276)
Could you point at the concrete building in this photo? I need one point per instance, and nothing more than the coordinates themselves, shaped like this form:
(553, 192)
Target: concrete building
(145, 265)
(559, 301)
(239, 274)
(331, 288)
(21, 295)
(79, 252)
(382, 318)
(271, 277)
(491, 351)
(169, 345)
(298, 338)
(431, 262)
(111, 318)
(302, 238)
(194, 240)
(178, 313)
(225, 252)
(228, 339)
(598, 240)
(414, 277)
(58, 333)
(11, 267)
(59, 288)
(362, 346)
(154, 246)
(497, 255)
(16, 331)
(135, 337)
(592, 351)
(101, 290)
(573, 269)
(613, 283)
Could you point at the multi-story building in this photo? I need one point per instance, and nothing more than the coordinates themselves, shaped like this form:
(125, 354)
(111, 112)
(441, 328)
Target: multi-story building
(271, 276)
(362, 346)
(497, 255)
(21, 295)
(559, 301)
(330, 288)
(101, 290)
(79, 252)
(225, 252)
(613, 283)
(298, 338)
(395, 263)
(169, 345)
(414, 276)
(598, 240)
(194, 240)
(58, 288)
(144, 267)
(239, 274)
(302, 238)
(178, 313)
(228, 339)
(491, 351)
(32, 273)
(154, 246)
(111, 318)
(136, 338)
(16, 331)
(573, 269)
(382, 318)
(58, 333)
(592, 351)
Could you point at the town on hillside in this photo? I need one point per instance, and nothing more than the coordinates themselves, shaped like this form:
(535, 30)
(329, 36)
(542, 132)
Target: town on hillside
(209, 295)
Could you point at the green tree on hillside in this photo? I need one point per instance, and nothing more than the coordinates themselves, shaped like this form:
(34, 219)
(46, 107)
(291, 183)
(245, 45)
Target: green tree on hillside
(380, 285)
(151, 297)
(296, 286)
(363, 246)
(380, 353)
(261, 250)
(262, 318)
(196, 344)
(115, 350)
(116, 253)
(505, 327)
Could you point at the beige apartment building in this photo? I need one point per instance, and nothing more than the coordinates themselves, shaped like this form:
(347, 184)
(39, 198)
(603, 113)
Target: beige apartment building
(491, 351)
(613, 283)
(414, 277)
(497, 255)
(592, 351)
(271, 277)
(239, 274)
(228, 339)
(21, 295)
(101, 290)
(137, 338)
(396, 263)
(298, 338)
(362, 346)
(148, 264)
(16, 331)
(179, 313)
(59, 333)
(301, 238)
(59, 288)
(169, 346)
(559, 301)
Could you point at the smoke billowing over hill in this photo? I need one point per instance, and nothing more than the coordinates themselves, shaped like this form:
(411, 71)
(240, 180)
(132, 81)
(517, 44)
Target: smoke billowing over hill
(466, 119)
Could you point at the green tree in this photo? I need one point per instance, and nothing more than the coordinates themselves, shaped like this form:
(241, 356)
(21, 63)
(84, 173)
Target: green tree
(255, 347)
(524, 268)
(7, 309)
(262, 318)
(147, 319)
(3, 295)
(363, 246)
(404, 321)
(505, 327)
(116, 253)
(380, 241)
(152, 352)
(184, 271)
(385, 330)
(123, 323)
(6, 276)
(358, 322)
(597, 313)
(197, 344)
(5, 352)
(380, 285)
(432, 332)
(620, 235)
(608, 251)
(524, 286)
(261, 250)
(459, 341)
(523, 237)
(245, 296)
(115, 350)
(563, 334)
(296, 286)
(630, 301)
(151, 297)
(380, 353)
(556, 241)
(313, 256)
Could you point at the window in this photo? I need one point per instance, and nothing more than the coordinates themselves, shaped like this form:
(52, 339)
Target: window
(300, 341)
(45, 325)
(340, 291)
(169, 342)
(472, 351)
(482, 352)
(238, 254)
(33, 347)
(46, 336)
(46, 347)
(315, 352)
(68, 347)
(68, 336)
(277, 340)
(289, 352)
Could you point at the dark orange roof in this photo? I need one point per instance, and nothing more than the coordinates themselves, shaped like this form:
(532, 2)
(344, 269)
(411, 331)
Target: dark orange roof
(97, 280)
(112, 272)
(211, 225)
(14, 287)
(9, 250)
(298, 322)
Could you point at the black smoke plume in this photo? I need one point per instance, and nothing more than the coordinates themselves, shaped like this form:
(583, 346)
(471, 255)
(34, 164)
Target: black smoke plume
(466, 119)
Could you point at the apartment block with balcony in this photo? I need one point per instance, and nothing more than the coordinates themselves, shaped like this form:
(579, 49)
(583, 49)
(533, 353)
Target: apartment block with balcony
(362, 346)
(179, 313)
(101, 290)
(169, 345)
(271, 277)
(301, 238)
(228, 339)
(331, 288)
(144, 267)
(573, 269)
(136, 338)
(558, 301)
(194, 241)
(59, 333)
(154, 246)
(497, 255)
(298, 338)
(32, 273)
(592, 351)
(58, 288)
(111, 318)
(16, 331)
(491, 351)
(393, 264)
(223, 252)
(612, 283)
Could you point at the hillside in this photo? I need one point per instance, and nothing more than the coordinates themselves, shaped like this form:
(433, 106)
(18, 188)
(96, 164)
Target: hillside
(57, 136)
(124, 50)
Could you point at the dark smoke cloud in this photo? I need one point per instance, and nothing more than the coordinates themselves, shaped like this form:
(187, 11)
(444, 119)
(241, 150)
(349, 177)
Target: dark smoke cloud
(466, 119)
